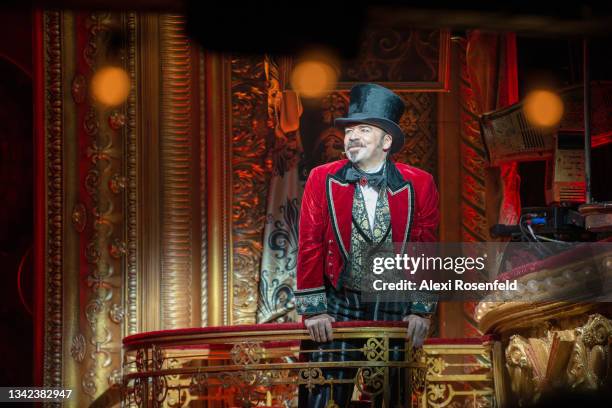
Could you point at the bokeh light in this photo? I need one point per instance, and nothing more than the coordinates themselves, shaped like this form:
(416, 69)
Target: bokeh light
(314, 76)
(110, 86)
(543, 108)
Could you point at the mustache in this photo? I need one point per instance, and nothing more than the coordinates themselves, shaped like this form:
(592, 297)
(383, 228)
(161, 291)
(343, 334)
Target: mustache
(354, 144)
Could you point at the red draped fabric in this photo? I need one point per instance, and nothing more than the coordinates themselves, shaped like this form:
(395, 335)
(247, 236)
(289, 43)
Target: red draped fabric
(491, 194)
(492, 69)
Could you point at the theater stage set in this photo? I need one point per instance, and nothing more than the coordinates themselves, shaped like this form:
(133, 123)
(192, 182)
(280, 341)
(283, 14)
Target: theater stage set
(165, 230)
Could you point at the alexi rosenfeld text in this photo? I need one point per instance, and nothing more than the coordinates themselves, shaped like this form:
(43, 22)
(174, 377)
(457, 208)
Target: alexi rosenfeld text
(413, 264)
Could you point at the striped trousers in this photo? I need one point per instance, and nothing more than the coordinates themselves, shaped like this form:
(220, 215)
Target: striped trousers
(346, 305)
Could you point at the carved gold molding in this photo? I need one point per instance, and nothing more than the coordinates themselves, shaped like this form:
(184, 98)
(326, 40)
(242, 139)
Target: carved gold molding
(105, 245)
(543, 294)
(52, 371)
(203, 192)
(176, 173)
(582, 365)
(131, 325)
(249, 183)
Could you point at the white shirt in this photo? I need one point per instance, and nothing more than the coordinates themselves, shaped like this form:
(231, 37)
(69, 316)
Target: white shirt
(370, 196)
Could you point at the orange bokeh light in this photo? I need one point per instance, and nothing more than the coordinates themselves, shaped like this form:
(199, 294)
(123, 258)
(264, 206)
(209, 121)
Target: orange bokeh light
(313, 78)
(110, 86)
(543, 108)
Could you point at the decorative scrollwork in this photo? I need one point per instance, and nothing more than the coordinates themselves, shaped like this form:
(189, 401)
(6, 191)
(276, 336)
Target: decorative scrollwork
(420, 371)
(375, 349)
(79, 89)
(139, 391)
(160, 390)
(250, 176)
(311, 377)
(435, 366)
(391, 55)
(199, 384)
(519, 367)
(589, 361)
(371, 380)
(439, 395)
(118, 248)
(247, 353)
(596, 332)
(117, 183)
(140, 360)
(158, 357)
(116, 120)
(79, 217)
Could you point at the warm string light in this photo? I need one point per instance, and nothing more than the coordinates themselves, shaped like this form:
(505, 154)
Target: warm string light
(543, 108)
(110, 86)
(315, 75)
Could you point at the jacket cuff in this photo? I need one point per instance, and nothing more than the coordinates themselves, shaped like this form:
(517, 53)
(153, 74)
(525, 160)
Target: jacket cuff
(310, 301)
(423, 307)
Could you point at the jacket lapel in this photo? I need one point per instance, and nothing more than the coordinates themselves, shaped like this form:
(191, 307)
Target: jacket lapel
(400, 194)
(340, 194)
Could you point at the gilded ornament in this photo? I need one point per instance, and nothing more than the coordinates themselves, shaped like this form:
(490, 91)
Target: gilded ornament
(116, 313)
(116, 120)
(77, 349)
(79, 217)
(79, 89)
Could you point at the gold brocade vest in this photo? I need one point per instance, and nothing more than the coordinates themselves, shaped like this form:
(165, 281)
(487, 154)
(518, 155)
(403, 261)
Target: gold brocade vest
(364, 237)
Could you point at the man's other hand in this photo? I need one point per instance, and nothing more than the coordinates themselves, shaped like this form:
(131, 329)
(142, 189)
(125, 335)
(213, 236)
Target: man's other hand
(418, 328)
(320, 327)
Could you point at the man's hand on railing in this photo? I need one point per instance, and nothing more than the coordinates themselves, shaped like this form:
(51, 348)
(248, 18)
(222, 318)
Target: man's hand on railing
(418, 328)
(319, 327)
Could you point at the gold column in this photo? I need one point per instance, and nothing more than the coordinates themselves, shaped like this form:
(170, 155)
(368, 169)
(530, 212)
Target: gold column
(218, 178)
(149, 248)
(176, 174)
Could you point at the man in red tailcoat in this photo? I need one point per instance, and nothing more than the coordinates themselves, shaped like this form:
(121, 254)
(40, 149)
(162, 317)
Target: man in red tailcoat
(366, 199)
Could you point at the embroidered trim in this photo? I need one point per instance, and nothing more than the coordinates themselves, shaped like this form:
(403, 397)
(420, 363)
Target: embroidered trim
(309, 290)
(423, 307)
(410, 216)
(394, 192)
(310, 301)
(332, 210)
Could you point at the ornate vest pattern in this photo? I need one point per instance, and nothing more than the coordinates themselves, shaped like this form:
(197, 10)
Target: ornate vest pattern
(363, 235)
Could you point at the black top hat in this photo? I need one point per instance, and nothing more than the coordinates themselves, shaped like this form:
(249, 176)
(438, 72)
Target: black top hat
(378, 106)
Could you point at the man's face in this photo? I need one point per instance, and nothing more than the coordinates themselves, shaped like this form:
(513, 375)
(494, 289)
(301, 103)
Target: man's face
(363, 143)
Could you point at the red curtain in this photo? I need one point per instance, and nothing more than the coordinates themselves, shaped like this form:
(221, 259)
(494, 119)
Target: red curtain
(492, 70)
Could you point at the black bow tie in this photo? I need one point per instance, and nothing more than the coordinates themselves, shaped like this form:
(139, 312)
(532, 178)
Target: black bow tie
(375, 180)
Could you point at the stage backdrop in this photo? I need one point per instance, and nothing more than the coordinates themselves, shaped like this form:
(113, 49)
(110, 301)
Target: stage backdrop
(178, 208)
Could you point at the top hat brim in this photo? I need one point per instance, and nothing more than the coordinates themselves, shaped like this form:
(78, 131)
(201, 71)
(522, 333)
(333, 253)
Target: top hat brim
(385, 124)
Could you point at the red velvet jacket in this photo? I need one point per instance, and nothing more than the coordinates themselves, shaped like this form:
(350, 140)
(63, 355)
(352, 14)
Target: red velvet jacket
(325, 224)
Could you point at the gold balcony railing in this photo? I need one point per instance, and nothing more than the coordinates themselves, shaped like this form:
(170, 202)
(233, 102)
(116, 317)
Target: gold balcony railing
(264, 365)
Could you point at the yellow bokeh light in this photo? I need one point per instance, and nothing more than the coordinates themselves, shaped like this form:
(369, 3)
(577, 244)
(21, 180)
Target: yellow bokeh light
(313, 78)
(543, 108)
(110, 86)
